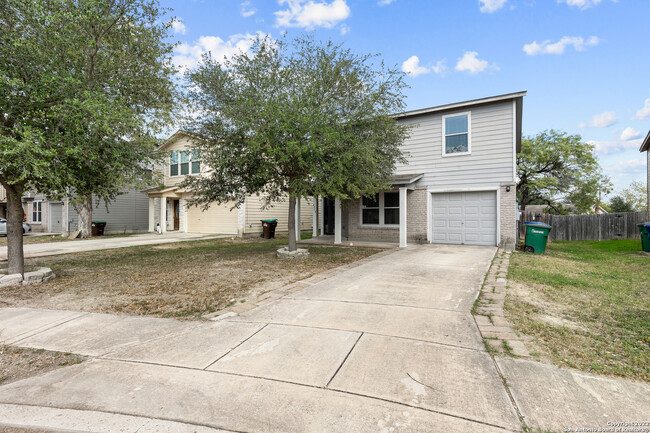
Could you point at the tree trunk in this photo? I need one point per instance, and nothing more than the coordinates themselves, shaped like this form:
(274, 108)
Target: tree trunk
(84, 207)
(15, 216)
(292, 223)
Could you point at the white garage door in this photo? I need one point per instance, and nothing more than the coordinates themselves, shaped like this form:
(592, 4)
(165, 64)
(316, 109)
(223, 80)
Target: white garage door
(465, 218)
(217, 219)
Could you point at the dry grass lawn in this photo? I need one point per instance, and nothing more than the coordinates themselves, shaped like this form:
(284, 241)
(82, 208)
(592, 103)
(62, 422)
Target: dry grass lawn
(19, 363)
(186, 279)
(585, 305)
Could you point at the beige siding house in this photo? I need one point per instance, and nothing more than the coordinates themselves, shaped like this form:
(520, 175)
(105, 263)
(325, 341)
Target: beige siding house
(458, 187)
(170, 210)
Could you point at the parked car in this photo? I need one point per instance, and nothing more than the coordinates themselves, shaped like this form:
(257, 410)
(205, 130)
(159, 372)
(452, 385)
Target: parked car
(3, 227)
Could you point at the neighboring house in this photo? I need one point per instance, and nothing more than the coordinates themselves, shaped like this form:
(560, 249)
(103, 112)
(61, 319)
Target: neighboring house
(169, 207)
(459, 186)
(645, 147)
(126, 214)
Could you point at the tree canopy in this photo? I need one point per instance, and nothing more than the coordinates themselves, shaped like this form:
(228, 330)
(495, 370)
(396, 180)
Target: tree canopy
(557, 169)
(619, 204)
(83, 87)
(636, 195)
(295, 119)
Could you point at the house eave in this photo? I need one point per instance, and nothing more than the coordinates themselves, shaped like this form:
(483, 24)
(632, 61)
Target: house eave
(645, 146)
(463, 104)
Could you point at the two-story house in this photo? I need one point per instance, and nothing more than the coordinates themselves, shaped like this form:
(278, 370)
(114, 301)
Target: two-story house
(169, 206)
(458, 187)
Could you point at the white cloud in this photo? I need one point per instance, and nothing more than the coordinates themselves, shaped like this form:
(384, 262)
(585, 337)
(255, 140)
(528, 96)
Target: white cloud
(630, 134)
(309, 14)
(489, 6)
(581, 4)
(345, 29)
(602, 120)
(628, 166)
(412, 67)
(178, 26)
(471, 64)
(384, 2)
(644, 112)
(546, 47)
(609, 147)
(246, 9)
(187, 56)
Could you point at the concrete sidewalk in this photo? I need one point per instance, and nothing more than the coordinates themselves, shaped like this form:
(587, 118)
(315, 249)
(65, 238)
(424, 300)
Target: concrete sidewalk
(106, 243)
(387, 346)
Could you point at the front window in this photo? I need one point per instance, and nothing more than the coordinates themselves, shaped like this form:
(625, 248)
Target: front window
(456, 134)
(370, 210)
(380, 209)
(37, 213)
(184, 163)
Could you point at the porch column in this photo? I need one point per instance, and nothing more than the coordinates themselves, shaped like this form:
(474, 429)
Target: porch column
(163, 214)
(314, 220)
(152, 205)
(322, 217)
(402, 217)
(297, 219)
(337, 220)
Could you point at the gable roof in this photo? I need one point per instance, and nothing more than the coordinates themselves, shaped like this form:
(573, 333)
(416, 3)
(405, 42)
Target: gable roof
(177, 136)
(645, 146)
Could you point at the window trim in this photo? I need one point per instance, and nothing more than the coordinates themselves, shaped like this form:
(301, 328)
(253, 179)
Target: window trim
(381, 212)
(190, 162)
(469, 134)
(40, 211)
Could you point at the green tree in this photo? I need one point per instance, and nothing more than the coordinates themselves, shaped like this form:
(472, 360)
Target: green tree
(299, 119)
(83, 86)
(619, 204)
(636, 195)
(557, 169)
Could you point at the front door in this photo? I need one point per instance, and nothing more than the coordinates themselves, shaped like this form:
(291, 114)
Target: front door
(328, 216)
(177, 215)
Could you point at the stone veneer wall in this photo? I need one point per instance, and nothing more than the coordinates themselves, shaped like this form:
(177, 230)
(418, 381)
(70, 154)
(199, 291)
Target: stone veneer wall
(508, 210)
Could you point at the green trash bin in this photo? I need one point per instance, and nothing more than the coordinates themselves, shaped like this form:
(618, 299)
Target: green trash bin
(645, 236)
(536, 237)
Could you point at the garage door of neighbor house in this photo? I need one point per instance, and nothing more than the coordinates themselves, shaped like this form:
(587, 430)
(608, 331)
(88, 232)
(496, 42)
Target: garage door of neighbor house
(217, 219)
(468, 218)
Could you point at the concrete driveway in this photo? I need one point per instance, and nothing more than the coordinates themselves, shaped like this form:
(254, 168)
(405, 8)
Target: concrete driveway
(106, 243)
(388, 346)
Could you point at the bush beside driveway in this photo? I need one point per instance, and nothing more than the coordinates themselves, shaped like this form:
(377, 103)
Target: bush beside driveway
(585, 305)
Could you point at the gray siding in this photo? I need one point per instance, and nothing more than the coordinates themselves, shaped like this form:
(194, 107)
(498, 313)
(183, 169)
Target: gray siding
(489, 164)
(128, 213)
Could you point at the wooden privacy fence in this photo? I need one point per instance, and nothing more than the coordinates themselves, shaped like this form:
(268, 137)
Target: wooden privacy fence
(599, 227)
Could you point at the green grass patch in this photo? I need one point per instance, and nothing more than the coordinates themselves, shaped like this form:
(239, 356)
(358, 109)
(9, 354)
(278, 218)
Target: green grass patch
(587, 304)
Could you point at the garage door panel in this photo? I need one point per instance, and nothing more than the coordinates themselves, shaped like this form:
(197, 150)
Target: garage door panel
(464, 218)
(216, 219)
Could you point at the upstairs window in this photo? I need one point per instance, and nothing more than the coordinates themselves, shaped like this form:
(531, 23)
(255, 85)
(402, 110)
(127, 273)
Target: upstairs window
(456, 133)
(184, 163)
(173, 164)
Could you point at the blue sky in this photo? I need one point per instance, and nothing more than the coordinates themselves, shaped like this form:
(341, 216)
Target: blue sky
(584, 63)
